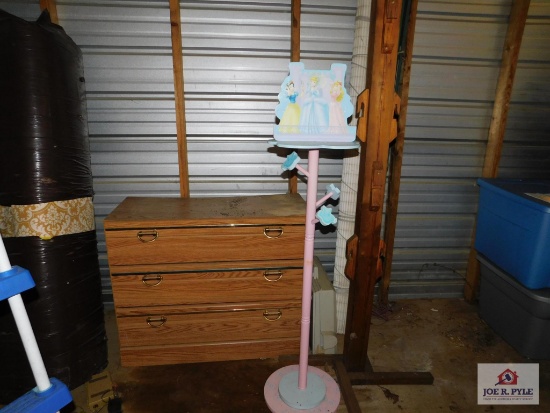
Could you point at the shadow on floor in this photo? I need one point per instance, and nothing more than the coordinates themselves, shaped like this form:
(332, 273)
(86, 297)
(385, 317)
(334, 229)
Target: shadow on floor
(443, 336)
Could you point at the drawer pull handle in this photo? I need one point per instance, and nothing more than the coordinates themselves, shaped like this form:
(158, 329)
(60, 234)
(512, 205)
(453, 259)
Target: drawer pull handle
(156, 322)
(147, 236)
(272, 276)
(151, 280)
(273, 232)
(273, 316)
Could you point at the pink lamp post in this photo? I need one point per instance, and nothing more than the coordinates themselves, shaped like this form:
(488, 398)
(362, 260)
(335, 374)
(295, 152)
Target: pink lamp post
(313, 111)
(299, 388)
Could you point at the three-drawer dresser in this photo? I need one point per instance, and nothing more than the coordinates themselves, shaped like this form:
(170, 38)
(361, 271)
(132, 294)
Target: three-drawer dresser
(206, 279)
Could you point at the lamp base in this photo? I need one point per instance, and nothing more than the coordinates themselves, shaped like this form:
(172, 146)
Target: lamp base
(282, 394)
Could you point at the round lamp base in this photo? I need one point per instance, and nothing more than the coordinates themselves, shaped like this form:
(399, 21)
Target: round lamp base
(282, 394)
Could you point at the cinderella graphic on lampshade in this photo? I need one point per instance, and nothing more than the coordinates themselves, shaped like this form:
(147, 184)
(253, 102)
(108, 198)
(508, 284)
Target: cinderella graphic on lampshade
(314, 106)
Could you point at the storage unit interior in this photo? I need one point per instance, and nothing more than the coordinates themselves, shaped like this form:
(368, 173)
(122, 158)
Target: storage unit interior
(134, 153)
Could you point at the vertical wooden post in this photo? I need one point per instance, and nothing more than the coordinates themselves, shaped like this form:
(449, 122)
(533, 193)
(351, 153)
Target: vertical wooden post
(512, 45)
(396, 161)
(51, 6)
(295, 18)
(383, 45)
(510, 54)
(177, 62)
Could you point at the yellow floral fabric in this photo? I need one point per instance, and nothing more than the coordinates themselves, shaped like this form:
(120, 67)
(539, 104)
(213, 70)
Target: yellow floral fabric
(47, 220)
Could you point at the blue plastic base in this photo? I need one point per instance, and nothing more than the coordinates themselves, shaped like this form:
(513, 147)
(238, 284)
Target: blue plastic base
(282, 396)
(49, 401)
(306, 399)
(15, 281)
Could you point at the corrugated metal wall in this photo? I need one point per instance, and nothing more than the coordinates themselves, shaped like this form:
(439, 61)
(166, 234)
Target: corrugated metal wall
(526, 152)
(235, 56)
(456, 61)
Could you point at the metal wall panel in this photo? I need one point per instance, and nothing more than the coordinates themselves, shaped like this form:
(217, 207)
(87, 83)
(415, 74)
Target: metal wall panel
(235, 57)
(25, 9)
(456, 62)
(526, 152)
(456, 59)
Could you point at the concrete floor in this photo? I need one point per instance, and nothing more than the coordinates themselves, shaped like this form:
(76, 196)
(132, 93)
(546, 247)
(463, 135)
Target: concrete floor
(443, 336)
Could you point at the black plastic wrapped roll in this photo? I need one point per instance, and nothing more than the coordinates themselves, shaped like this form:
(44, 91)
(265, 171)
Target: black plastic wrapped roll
(46, 174)
(43, 122)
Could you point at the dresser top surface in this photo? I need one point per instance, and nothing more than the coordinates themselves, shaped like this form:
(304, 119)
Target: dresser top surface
(242, 210)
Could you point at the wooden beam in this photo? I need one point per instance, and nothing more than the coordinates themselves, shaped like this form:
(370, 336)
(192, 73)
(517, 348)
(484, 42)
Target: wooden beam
(51, 6)
(295, 19)
(177, 63)
(396, 160)
(380, 378)
(346, 387)
(510, 54)
(383, 45)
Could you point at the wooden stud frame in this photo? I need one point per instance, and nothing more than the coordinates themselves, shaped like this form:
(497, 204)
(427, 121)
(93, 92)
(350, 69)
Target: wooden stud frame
(295, 19)
(177, 60)
(368, 246)
(396, 161)
(51, 6)
(372, 175)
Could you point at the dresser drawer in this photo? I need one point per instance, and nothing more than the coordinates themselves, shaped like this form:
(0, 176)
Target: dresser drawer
(224, 325)
(177, 245)
(206, 352)
(150, 289)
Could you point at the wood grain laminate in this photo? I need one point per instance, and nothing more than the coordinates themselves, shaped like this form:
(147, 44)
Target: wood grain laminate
(206, 279)
(180, 212)
(209, 327)
(192, 353)
(206, 287)
(175, 245)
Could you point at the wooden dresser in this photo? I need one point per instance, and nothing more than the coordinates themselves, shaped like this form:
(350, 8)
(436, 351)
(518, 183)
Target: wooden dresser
(206, 279)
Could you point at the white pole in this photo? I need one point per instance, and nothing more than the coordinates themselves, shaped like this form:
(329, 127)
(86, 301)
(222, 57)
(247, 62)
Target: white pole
(4, 260)
(29, 342)
(25, 330)
(350, 167)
